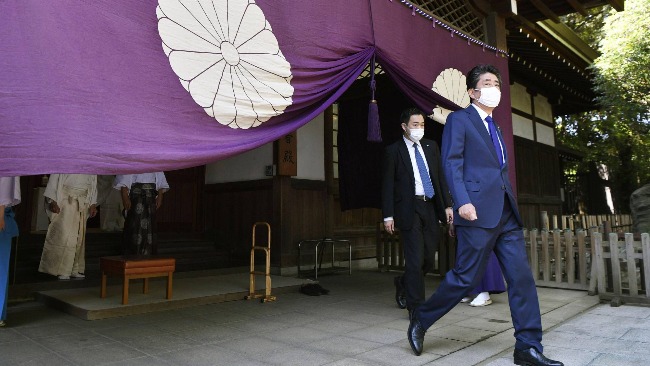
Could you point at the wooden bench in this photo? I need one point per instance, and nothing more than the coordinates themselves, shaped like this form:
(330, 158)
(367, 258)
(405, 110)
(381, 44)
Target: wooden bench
(135, 267)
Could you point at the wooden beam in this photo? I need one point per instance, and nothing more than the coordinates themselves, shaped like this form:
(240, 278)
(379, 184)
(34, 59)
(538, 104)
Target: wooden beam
(525, 22)
(548, 13)
(505, 8)
(578, 7)
(480, 8)
(619, 5)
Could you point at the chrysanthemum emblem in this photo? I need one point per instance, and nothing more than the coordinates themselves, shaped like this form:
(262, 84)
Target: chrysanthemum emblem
(225, 54)
(450, 83)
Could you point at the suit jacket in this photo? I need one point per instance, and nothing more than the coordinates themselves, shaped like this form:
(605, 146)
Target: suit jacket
(473, 171)
(398, 183)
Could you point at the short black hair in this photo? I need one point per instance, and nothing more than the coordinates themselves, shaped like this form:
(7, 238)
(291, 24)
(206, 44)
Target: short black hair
(408, 112)
(474, 75)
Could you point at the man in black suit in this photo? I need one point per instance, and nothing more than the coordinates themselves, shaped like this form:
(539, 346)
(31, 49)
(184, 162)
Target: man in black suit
(415, 198)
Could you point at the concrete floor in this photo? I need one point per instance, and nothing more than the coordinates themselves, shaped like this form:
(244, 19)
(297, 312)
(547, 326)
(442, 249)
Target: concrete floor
(358, 323)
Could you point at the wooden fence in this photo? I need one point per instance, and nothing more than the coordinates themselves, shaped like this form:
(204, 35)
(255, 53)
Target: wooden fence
(389, 250)
(390, 253)
(623, 268)
(560, 259)
(606, 223)
(574, 257)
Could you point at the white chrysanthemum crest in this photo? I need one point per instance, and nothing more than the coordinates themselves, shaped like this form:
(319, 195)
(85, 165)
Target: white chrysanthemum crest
(226, 56)
(450, 83)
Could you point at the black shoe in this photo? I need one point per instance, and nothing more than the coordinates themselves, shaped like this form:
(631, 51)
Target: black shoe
(400, 294)
(531, 357)
(415, 335)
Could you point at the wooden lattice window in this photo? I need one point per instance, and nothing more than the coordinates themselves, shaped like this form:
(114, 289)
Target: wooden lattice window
(455, 13)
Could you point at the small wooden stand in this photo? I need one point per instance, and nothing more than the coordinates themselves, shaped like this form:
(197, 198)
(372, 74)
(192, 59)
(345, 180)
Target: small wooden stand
(135, 267)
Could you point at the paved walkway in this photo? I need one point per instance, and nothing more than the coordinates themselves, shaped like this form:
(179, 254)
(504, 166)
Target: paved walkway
(356, 324)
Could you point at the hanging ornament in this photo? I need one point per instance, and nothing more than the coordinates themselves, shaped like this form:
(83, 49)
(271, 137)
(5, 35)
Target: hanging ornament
(374, 127)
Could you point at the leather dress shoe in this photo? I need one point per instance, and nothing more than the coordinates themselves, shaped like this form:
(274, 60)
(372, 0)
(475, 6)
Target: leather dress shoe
(415, 335)
(400, 293)
(531, 357)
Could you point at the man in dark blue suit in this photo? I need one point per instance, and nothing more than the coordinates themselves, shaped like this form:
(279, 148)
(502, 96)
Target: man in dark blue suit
(475, 164)
(415, 198)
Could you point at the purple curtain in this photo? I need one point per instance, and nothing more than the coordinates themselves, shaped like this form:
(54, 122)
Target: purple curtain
(88, 87)
(85, 87)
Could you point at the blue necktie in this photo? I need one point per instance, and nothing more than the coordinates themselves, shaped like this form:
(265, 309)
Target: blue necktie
(424, 174)
(495, 138)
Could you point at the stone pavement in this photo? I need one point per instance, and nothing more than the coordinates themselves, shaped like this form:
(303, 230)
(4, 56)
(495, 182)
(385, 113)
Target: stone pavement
(358, 323)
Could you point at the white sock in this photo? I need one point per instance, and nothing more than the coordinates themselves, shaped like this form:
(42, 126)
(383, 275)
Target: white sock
(482, 296)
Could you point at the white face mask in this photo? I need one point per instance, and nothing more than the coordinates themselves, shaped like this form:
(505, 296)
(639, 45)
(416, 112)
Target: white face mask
(416, 134)
(490, 96)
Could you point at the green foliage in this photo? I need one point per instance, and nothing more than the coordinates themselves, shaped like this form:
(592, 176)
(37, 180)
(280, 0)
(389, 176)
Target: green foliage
(589, 28)
(623, 78)
(617, 135)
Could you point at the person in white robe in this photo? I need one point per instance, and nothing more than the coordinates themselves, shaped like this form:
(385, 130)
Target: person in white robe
(70, 200)
(142, 195)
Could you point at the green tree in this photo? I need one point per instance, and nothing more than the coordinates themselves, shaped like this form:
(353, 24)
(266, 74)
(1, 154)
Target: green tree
(590, 27)
(615, 134)
(622, 69)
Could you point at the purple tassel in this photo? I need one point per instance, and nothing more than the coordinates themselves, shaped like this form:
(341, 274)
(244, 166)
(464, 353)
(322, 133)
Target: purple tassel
(374, 127)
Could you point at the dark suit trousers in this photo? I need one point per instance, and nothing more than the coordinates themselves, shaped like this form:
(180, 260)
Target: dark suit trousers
(420, 244)
(473, 252)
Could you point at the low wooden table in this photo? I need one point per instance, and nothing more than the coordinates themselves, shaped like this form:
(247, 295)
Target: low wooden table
(134, 267)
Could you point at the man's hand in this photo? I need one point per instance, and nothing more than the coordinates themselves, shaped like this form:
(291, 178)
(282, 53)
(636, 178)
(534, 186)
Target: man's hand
(468, 212)
(451, 231)
(389, 225)
(54, 207)
(450, 215)
(93, 210)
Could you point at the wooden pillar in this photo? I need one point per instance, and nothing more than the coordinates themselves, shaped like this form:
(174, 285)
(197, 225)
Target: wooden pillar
(495, 30)
(286, 154)
(286, 159)
(280, 224)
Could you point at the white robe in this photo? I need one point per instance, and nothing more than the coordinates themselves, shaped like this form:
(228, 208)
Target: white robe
(64, 249)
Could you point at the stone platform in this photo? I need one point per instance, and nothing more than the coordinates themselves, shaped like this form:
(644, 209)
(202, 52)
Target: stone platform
(85, 303)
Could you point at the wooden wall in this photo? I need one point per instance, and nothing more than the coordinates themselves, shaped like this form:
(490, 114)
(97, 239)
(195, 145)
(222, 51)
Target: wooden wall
(182, 205)
(294, 208)
(538, 181)
(359, 226)
(231, 209)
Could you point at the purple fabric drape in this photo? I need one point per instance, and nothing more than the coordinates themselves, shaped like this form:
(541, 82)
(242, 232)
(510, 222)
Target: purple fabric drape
(86, 87)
